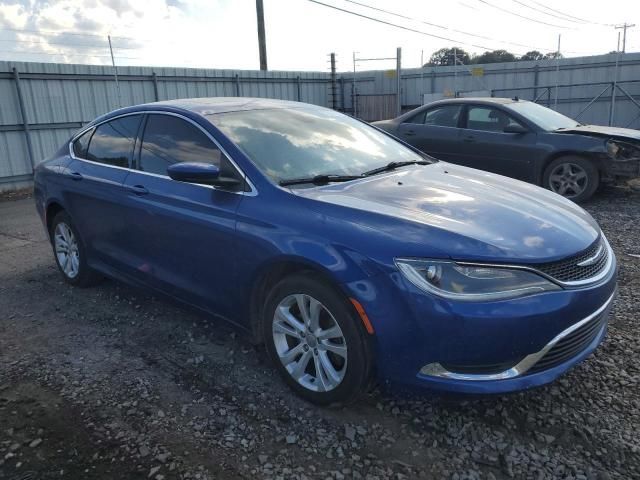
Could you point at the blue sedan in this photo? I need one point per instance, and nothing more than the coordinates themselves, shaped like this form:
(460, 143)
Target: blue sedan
(348, 253)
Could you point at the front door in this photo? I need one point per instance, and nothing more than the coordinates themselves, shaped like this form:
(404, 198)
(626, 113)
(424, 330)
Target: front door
(182, 234)
(485, 145)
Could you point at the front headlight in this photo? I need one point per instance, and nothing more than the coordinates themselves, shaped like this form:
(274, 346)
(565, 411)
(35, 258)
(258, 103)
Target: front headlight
(472, 282)
(619, 150)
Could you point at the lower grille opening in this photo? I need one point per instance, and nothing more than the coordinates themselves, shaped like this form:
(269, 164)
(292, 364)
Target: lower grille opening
(571, 345)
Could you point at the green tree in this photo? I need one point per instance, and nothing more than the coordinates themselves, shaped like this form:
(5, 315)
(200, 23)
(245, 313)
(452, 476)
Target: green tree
(445, 57)
(533, 55)
(496, 56)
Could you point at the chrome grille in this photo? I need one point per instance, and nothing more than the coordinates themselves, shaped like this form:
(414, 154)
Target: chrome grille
(571, 345)
(569, 270)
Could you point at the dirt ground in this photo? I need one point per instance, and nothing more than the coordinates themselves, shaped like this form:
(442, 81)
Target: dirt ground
(113, 383)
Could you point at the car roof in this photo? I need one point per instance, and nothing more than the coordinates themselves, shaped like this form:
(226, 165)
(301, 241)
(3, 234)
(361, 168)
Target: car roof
(484, 100)
(213, 105)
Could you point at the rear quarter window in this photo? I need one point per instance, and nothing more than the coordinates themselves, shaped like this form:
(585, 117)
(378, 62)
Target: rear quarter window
(81, 144)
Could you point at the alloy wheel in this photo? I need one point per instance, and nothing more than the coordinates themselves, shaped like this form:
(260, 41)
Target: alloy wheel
(568, 180)
(67, 251)
(309, 343)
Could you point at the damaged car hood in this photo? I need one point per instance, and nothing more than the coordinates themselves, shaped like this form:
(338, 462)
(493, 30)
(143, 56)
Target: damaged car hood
(602, 131)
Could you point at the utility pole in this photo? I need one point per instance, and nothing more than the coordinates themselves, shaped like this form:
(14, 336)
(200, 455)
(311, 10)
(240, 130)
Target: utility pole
(115, 72)
(262, 43)
(334, 96)
(399, 80)
(354, 92)
(555, 103)
(624, 27)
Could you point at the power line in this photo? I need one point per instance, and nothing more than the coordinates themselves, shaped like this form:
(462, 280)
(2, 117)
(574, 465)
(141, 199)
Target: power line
(398, 26)
(505, 10)
(74, 45)
(570, 16)
(447, 28)
(85, 55)
(52, 32)
(565, 19)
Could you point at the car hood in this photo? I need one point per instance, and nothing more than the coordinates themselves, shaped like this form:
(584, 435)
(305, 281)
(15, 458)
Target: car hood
(462, 213)
(602, 131)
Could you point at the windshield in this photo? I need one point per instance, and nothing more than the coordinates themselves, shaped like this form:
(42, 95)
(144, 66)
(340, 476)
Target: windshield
(544, 117)
(304, 142)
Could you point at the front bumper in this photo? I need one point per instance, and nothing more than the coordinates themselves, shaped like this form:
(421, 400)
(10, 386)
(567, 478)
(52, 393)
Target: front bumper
(422, 340)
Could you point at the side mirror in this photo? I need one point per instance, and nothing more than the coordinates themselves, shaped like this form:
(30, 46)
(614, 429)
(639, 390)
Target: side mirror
(515, 128)
(205, 173)
(194, 172)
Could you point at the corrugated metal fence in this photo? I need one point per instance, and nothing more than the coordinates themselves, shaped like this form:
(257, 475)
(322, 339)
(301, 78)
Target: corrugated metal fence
(579, 80)
(43, 104)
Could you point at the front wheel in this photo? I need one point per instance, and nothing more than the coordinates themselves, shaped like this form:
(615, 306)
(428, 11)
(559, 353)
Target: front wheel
(575, 178)
(316, 341)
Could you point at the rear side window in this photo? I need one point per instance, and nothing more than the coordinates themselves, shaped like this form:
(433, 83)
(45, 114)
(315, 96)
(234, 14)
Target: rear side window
(112, 142)
(169, 140)
(445, 116)
(82, 143)
(417, 118)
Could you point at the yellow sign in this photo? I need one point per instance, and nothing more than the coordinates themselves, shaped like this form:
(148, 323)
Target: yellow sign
(477, 72)
(390, 73)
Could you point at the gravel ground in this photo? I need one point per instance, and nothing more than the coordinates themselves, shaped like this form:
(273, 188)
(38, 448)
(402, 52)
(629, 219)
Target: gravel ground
(110, 382)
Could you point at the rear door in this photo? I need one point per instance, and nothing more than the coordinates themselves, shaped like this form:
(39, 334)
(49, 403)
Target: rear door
(485, 145)
(94, 190)
(183, 234)
(434, 131)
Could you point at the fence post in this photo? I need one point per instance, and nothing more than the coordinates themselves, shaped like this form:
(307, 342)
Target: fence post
(299, 93)
(399, 80)
(536, 73)
(25, 122)
(433, 81)
(342, 94)
(237, 82)
(612, 105)
(154, 77)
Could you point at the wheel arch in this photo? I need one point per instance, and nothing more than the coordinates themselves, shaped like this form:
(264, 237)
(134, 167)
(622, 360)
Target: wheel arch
(53, 208)
(563, 153)
(269, 275)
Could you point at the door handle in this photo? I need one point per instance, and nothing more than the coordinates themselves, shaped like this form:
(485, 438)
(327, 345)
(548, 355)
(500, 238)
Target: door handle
(469, 138)
(138, 190)
(74, 175)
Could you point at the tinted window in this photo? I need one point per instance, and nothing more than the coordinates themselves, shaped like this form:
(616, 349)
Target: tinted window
(288, 143)
(445, 116)
(488, 119)
(418, 118)
(112, 142)
(169, 139)
(81, 144)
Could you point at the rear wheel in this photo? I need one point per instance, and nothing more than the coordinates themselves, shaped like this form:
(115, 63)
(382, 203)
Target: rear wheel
(575, 178)
(69, 253)
(316, 341)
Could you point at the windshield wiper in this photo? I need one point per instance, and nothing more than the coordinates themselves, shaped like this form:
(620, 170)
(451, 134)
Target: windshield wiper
(393, 165)
(319, 179)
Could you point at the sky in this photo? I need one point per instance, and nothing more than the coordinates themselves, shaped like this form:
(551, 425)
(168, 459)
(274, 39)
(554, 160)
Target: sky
(300, 33)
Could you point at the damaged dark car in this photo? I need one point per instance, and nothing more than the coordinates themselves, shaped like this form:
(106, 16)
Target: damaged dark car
(522, 140)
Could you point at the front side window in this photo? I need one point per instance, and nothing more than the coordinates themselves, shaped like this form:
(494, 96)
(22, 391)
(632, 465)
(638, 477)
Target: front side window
(112, 142)
(288, 143)
(488, 119)
(168, 139)
(444, 116)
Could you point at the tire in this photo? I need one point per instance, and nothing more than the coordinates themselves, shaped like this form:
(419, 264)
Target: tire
(346, 349)
(70, 254)
(573, 177)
